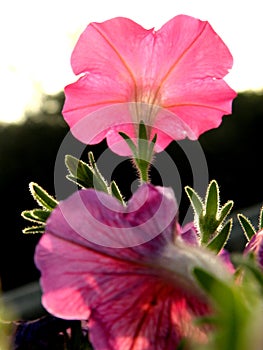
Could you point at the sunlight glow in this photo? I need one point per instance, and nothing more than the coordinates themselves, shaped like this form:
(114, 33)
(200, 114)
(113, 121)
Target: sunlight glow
(37, 39)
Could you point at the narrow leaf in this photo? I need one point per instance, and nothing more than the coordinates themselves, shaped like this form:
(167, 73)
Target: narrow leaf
(212, 200)
(225, 210)
(99, 182)
(142, 131)
(72, 164)
(151, 147)
(34, 230)
(78, 182)
(42, 197)
(80, 172)
(247, 226)
(116, 192)
(195, 200)
(36, 215)
(129, 142)
(28, 215)
(41, 214)
(219, 241)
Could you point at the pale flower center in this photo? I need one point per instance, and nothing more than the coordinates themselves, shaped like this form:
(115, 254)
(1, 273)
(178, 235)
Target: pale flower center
(145, 108)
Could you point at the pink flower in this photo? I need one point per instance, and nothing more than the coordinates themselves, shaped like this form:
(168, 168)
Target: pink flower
(255, 246)
(137, 296)
(172, 79)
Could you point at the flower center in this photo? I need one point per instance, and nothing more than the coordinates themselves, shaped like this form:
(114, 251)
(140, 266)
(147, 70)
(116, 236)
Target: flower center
(145, 109)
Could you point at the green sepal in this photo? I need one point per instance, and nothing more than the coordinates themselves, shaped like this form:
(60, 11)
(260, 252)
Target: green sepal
(34, 229)
(116, 192)
(129, 142)
(212, 200)
(247, 226)
(42, 197)
(39, 215)
(36, 215)
(208, 220)
(142, 154)
(209, 217)
(219, 241)
(225, 210)
(85, 175)
(195, 200)
(80, 172)
(98, 180)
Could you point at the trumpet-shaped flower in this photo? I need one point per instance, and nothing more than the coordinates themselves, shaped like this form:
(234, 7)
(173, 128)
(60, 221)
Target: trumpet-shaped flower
(171, 79)
(126, 270)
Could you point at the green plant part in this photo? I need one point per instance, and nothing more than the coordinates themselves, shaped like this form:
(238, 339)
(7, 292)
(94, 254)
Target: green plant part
(210, 218)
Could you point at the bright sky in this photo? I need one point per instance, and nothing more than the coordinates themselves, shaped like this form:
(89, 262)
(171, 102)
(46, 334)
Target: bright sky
(37, 38)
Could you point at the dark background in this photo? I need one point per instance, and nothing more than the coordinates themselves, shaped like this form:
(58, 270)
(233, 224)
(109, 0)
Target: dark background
(28, 153)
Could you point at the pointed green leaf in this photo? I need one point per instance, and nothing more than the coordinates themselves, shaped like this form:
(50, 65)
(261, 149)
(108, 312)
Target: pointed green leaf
(80, 172)
(78, 182)
(116, 192)
(72, 164)
(42, 197)
(219, 241)
(151, 148)
(98, 180)
(142, 131)
(129, 142)
(212, 200)
(36, 215)
(41, 215)
(247, 226)
(225, 210)
(195, 200)
(28, 215)
(34, 230)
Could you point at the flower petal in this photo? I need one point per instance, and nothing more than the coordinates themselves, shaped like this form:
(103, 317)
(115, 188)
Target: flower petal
(95, 218)
(192, 86)
(195, 51)
(135, 296)
(178, 68)
(103, 49)
(146, 316)
(127, 305)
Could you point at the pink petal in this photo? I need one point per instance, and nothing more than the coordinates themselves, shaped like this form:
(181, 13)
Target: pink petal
(103, 49)
(135, 296)
(201, 108)
(102, 220)
(189, 234)
(147, 315)
(127, 304)
(113, 67)
(255, 245)
(195, 51)
(178, 68)
(192, 87)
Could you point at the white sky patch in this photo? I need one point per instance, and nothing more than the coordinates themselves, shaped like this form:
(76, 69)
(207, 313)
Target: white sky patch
(37, 38)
